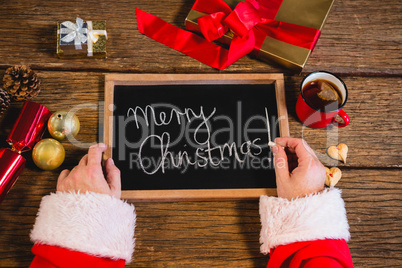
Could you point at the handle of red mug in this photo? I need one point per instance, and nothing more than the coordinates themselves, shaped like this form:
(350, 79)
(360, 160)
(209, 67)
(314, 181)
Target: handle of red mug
(345, 118)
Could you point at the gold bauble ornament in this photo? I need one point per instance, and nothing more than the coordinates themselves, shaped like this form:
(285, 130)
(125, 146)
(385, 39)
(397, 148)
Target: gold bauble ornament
(62, 125)
(48, 154)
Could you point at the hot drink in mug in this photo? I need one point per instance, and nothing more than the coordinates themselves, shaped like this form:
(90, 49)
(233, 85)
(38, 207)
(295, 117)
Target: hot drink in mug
(322, 96)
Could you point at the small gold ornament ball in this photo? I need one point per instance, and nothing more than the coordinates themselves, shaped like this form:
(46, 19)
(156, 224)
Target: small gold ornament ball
(62, 125)
(48, 154)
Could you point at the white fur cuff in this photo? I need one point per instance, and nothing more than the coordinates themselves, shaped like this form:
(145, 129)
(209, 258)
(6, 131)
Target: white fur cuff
(317, 216)
(93, 223)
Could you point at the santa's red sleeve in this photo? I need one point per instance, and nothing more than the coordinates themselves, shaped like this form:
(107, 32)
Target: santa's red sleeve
(83, 230)
(305, 232)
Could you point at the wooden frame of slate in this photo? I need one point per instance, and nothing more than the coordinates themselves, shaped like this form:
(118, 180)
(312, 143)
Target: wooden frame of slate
(170, 83)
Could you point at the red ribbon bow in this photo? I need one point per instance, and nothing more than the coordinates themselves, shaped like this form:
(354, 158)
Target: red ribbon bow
(241, 20)
(250, 21)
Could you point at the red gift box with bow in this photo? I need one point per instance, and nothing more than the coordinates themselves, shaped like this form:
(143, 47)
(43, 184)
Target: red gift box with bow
(282, 31)
(285, 31)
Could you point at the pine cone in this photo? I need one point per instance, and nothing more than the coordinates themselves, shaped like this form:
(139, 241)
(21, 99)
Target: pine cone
(4, 101)
(21, 83)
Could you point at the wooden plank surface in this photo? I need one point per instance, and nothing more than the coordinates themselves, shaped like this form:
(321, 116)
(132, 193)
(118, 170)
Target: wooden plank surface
(375, 115)
(217, 234)
(227, 232)
(361, 42)
(360, 36)
(374, 135)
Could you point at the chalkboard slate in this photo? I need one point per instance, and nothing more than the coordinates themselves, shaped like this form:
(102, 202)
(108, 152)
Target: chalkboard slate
(194, 137)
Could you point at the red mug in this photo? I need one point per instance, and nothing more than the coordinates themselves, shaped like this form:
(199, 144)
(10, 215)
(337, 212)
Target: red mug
(317, 118)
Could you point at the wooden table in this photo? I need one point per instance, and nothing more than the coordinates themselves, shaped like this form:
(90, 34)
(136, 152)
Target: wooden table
(361, 42)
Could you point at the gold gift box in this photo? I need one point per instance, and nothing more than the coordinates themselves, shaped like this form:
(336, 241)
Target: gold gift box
(98, 47)
(308, 13)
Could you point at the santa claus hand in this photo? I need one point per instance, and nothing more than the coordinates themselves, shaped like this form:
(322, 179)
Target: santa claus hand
(88, 175)
(298, 170)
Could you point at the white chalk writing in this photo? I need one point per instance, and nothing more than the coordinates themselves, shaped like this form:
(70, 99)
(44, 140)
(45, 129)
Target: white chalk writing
(205, 153)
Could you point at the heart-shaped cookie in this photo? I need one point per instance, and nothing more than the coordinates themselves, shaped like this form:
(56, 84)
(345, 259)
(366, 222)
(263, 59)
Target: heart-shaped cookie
(339, 152)
(333, 176)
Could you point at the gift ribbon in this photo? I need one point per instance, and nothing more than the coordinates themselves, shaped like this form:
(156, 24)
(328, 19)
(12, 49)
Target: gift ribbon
(80, 35)
(74, 31)
(93, 37)
(250, 21)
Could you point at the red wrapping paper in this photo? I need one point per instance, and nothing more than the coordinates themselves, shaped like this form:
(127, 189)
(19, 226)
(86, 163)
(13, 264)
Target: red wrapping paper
(29, 127)
(27, 131)
(11, 166)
